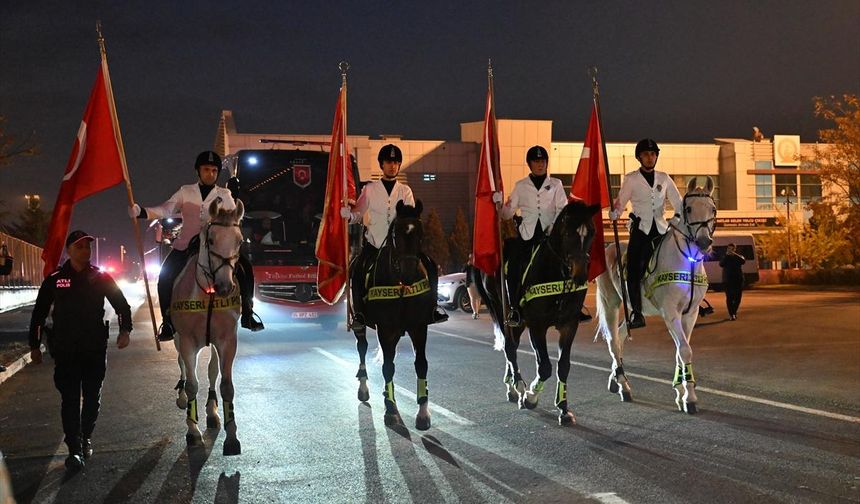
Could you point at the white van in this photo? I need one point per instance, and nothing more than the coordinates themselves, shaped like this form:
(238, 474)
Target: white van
(745, 247)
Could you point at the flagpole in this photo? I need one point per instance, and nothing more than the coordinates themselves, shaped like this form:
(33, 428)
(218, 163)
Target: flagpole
(344, 66)
(494, 160)
(118, 138)
(595, 89)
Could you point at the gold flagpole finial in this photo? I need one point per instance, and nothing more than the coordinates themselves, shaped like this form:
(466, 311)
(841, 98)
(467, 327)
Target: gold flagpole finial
(343, 66)
(592, 72)
(100, 38)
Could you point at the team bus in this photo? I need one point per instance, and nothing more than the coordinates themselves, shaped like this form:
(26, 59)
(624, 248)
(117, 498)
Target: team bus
(283, 191)
(745, 247)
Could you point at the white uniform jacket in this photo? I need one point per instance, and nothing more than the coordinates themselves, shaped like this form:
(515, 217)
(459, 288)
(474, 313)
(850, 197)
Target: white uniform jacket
(648, 201)
(534, 204)
(194, 211)
(379, 209)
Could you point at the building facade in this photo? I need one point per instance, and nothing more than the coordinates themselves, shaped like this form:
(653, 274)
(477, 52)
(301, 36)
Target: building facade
(756, 182)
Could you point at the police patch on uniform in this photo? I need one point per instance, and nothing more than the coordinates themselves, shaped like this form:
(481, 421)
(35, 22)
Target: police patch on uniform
(659, 187)
(63, 283)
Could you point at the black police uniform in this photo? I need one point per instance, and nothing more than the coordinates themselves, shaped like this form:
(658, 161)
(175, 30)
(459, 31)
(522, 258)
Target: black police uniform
(78, 342)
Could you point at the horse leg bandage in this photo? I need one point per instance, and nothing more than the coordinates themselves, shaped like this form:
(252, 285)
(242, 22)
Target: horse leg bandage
(389, 392)
(560, 393)
(679, 372)
(688, 373)
(229, 413)
(537, 386)
(191, 412)
(422, 390)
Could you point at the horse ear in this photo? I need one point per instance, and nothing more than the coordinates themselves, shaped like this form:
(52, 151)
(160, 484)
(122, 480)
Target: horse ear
(240, 210)
(709, 186)
(399, 208)
(419, 207)
(691, 185)
(213, 209)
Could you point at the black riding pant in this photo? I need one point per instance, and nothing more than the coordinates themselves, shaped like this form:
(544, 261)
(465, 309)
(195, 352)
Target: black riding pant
(175, 261)
(734, 292)
(77, 376)
(639, 251)
(518, 257)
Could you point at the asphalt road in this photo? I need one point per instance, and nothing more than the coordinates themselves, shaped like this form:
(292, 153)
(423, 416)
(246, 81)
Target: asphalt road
(778, 421)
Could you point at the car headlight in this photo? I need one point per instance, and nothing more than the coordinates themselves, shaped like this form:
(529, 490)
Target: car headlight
(445, 290)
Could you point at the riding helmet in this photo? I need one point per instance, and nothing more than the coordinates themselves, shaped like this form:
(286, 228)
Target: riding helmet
(646, 144)
(208, 158)
(390, 152)
(536, 153)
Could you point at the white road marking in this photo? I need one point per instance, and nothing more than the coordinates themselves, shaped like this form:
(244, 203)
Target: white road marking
(408, 393)
(742, 397)
(609, 498)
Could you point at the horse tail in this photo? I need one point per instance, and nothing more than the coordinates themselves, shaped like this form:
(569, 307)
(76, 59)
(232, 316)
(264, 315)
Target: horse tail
(488, 289)
(608, 298)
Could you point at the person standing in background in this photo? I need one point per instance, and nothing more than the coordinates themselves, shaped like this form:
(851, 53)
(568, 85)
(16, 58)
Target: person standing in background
(733, 279)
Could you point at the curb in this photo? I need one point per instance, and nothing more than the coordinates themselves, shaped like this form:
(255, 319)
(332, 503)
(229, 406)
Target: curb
(16, 366)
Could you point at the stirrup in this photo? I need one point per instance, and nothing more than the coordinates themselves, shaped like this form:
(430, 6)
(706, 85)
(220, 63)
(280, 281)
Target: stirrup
(438, 316)
(514, 319)
(253, 322)
(165, 332)
(636, 321)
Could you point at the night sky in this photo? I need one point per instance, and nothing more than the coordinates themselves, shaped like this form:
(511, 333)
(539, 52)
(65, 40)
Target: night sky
(675, 71)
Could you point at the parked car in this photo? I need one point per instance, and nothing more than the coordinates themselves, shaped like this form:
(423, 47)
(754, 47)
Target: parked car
(452, 292)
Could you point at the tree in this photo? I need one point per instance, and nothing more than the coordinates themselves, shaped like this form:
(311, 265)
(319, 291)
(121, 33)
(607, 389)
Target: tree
(460, 239)
(838, 163)
(435, 243)
(12, 146)
(32, 225)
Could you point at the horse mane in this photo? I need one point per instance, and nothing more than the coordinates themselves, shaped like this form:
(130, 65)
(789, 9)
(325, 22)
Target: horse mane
(577, 210)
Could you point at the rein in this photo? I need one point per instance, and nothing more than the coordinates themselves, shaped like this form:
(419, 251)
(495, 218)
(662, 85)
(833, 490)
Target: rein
(693, 228)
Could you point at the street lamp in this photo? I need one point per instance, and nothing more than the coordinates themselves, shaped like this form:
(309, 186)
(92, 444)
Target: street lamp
(788, 193)
(33, 201)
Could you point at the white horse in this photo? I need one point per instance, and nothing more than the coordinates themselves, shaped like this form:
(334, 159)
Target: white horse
(673, 288)
(205, 310)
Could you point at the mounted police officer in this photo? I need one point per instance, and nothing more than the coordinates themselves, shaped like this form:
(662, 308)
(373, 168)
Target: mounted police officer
(78, 341)
(538, 198)
(646, 189)
(192, 202)
(378, 206)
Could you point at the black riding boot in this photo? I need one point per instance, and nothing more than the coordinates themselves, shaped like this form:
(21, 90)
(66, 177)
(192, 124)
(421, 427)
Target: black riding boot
(636, 318)
(170, 268)
(245, 276)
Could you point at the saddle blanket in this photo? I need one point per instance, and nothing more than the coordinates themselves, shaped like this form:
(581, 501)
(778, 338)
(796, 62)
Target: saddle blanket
(199, 305)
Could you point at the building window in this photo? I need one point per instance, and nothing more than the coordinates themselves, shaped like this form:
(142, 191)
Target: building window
(763, 191)
(787, 183)
(429, 177)
(681, 182)
(615, 185)
(810, 188)
(764, 165)
(566, 180)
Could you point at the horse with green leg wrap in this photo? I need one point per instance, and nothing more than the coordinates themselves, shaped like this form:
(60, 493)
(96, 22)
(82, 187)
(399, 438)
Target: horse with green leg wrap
(553, 291)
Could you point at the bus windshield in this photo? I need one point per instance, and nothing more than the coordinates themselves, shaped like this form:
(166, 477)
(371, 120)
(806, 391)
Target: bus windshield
(284, 193)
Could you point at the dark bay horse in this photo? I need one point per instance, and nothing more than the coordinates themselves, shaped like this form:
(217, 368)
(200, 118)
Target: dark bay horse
(400, 301)
(554, 287)
(205, 310)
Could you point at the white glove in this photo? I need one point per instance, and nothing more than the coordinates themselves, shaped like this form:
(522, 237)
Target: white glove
(134, 211)
(497, 197)
(345, 213)
(614, 214)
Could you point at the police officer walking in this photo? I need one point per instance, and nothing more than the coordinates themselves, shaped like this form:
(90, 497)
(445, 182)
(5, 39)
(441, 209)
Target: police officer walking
(378, 201)
(539, 198)
(192, 202)
(78, 340)
(646, 189)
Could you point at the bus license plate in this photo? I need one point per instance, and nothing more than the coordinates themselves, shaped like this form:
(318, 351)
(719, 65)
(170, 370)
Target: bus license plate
(305, 315)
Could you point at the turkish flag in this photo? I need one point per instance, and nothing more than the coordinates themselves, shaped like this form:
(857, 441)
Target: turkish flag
(486, 253)
(332, 245)
(589, 185)
(93, 166)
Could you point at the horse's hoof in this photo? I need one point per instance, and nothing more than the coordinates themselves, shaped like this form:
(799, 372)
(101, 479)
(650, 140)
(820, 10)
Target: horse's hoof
(513, 397)
(422, 423)
(626, 396)
(232, 447)
(566, 418)
(193, 441)
(690, 408)
(392, 419)
(213, 422)
(526, 404)
(363, 392)
(182, 403)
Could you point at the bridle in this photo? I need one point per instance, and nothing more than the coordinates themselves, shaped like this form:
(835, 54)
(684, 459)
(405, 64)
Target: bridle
(693, 229)
(221, 261)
